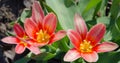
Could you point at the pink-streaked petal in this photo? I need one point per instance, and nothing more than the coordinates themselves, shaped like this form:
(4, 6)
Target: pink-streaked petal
(19, 49)
(37, 44)
(30, 27)
(75, 38)
(19, 30)
(10, 40)
(34, 49)
(90, 57)
(96, 33)
(40, 44)
(37, 13)
(50, 22)
(59, 35)
(72, 55)
(80, 25)
(105, 47)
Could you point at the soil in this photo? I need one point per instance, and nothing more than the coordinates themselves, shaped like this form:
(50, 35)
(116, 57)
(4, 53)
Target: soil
(10, 10)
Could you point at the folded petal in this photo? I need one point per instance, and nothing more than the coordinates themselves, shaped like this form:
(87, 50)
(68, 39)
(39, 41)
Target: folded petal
(19, 49)
(50, 22)
(10, 40)
(37, 13)
(34, 49)
(72, 55)
(105, 47)
(96, 33)
(59, 35)
(90, 57)
(30, 27)
(75, 38)
(80, 26)
(19, 30)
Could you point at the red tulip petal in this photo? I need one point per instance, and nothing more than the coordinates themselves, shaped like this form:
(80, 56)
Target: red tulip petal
(59, 35)
(30, 27)
(19, 49)
(34, 49)
(19, 30)
(37, 44)
(72, 55)
(90, 57)
(37, 13)
(96, 33)
(75, 38)
(50, 22)
(40, 44)
(80, 26)
(105, 47)
(10, 40)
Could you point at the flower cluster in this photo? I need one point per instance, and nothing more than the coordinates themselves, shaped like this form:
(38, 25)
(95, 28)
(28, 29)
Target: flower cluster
(39, 30)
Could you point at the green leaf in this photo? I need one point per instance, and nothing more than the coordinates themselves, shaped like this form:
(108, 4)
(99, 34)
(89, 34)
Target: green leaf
(68, 3)
(115, 9)
(63, 44)
(108, 36)
(65, 16)
(26, 13)
(117, 23)
(90, 5)
(115, 33)
(104, 20)
(44, 56)
(23, 60)
(112, 57)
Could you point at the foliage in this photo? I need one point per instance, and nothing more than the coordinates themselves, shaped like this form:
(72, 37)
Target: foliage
(93, 12)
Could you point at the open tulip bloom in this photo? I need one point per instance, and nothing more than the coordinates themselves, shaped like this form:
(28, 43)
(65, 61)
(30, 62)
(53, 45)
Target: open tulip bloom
(42, 28)
(22, 41)
(87, 44)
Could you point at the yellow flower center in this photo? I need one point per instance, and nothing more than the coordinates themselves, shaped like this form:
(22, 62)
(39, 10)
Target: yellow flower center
(23, 43)
(25, 37)
(42, 36)
(85, 46)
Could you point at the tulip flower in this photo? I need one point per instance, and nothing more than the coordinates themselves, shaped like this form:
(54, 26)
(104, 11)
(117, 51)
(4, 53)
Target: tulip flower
(22, 41)
(42, 28)
(87, 44)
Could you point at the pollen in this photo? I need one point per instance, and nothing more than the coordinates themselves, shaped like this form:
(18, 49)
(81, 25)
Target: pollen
(42, 36)
(25, 37)
(85, 46)
(23, 43)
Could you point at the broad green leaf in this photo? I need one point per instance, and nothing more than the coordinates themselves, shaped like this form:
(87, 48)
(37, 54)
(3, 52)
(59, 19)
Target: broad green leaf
(23, 60)
(90, 5)
(44, 56)
(104, 20)
(68, 3)
(63, 44)
(65, 16)
(115, 34)
(112, 57)
(115, 9)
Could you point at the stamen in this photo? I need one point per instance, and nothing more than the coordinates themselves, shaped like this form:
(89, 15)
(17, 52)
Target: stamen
(42, 36)
(85, 46)
(23, 43)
